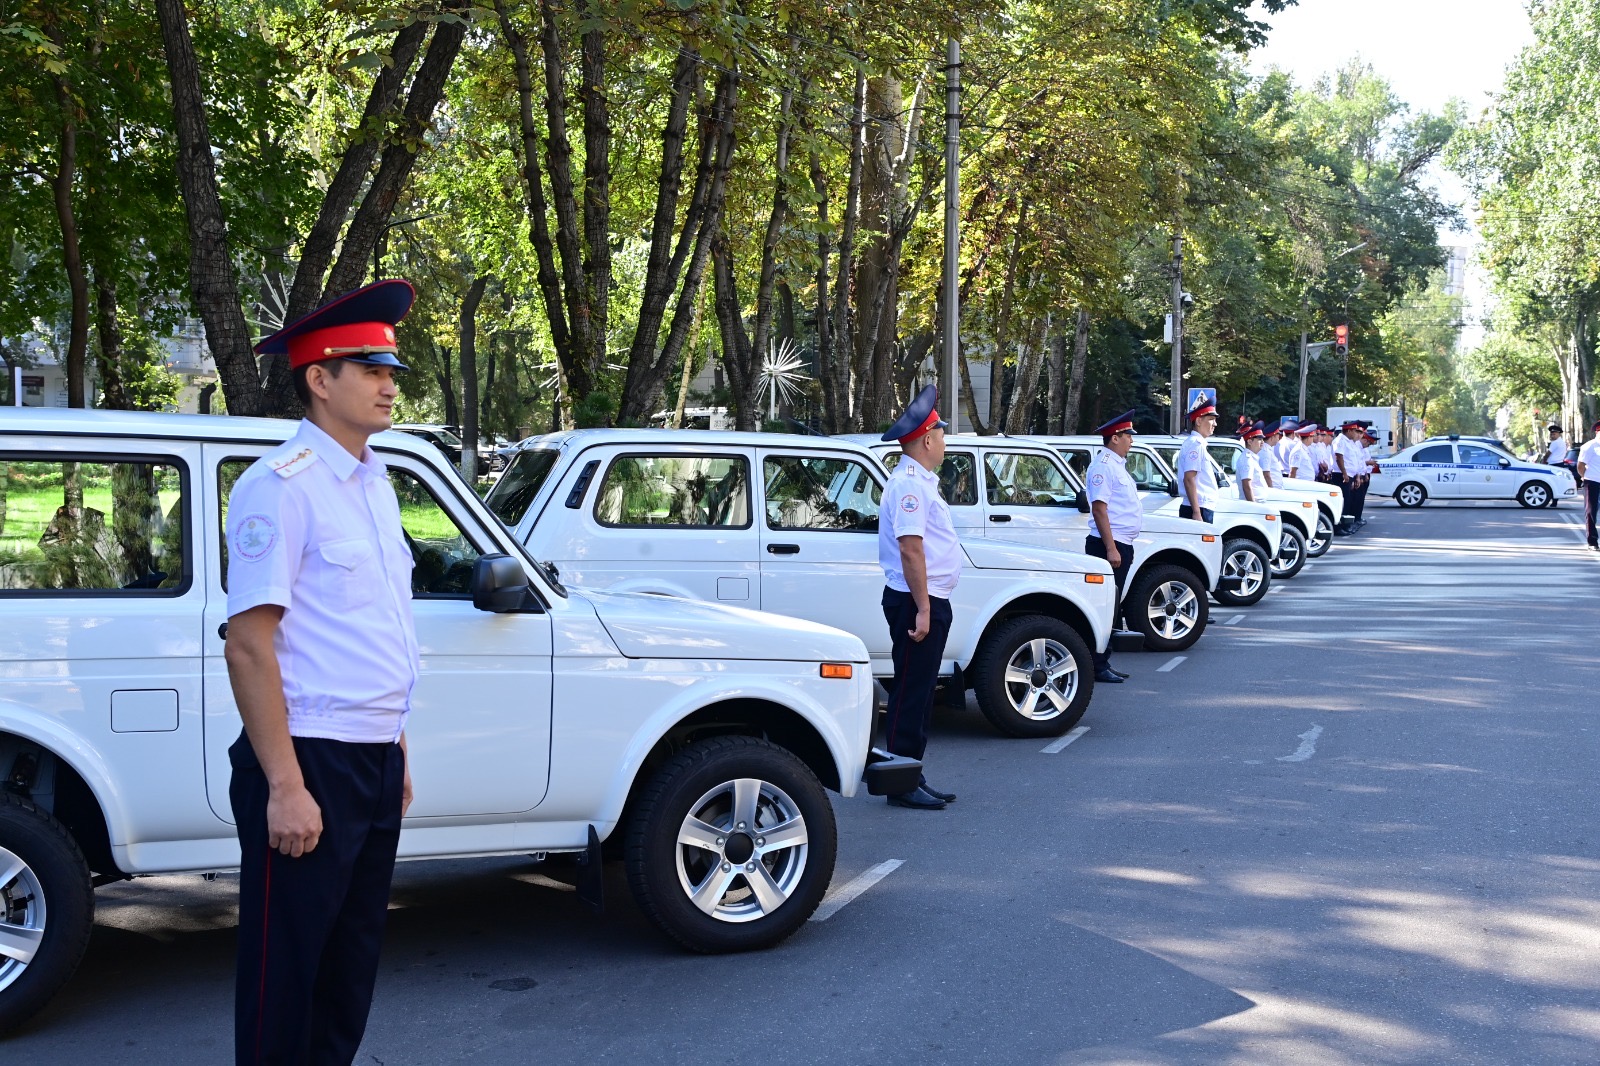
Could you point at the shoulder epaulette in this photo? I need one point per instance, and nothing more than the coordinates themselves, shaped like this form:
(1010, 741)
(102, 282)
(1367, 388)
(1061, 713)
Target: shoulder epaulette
(290, 465)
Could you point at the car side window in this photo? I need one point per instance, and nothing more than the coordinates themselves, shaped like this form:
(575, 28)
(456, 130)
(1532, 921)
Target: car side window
(1472, 455)
(687, 491)
(1077, 461)
(1433, 453)
(1148, 476)
(814, 492)
(1021, 479)
(103, 525)
(1223, 453)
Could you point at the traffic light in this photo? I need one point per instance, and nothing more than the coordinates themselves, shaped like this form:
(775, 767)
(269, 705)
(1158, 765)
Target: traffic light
(1341, 340)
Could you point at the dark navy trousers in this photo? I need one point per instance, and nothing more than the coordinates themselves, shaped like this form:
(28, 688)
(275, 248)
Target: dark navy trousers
(310, 928)
(1591, 505)
(916, 670)
(1207, 515)
(1093, 545)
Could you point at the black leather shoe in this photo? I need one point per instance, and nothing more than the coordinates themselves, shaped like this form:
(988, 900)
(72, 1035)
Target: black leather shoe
(1108, 676)
(948, 797)
(919, 799)
(1120, 674)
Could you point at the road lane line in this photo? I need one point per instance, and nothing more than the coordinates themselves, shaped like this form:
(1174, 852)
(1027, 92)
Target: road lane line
(1307, 748)
(835, 900)
(1061, 742)
(1171, 664)
(1235, 620)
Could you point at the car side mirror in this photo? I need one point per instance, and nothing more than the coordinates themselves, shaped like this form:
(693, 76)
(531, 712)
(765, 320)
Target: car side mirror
(1172, 488)
(1504, 462)
(500, 585)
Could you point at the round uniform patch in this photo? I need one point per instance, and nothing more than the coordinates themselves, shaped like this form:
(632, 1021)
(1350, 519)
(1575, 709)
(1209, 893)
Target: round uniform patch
(909, 504)
(1098, 479)
(256, 537)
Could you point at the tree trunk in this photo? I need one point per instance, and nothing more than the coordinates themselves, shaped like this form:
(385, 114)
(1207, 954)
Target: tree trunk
(1025, 395)
(1080, 359)
(469, 377)
(211, 279)
(361, 240)
(1056, 387)
(968, 398)
(843, 327)
(827, 372)
(66, 219)
(446, 377)
(113, 396)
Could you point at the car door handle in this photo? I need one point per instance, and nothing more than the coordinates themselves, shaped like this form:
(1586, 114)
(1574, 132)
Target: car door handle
(999, 518)
(784, 549)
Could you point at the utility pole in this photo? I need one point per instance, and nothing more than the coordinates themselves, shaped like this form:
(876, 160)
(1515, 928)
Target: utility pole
(1177, 333)
(952, 229)
(1304, 361)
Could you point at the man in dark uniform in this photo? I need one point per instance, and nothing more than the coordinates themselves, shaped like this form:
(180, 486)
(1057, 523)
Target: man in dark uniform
(322, 655)
(1116, 519)
(921, 560)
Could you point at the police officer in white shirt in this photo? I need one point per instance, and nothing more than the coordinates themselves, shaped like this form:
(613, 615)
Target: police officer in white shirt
(1247, 464)
(322, 656)
(1557, 452)
(1116, 519)
(1589, 478)
(1299, 464)
(1270, 457)
(921, 560)
(1352, 466)
(1197, 482)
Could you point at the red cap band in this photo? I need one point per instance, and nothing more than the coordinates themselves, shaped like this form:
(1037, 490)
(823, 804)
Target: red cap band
(1120, 427)
(334, 342)
(1208, 409)
(931, 421)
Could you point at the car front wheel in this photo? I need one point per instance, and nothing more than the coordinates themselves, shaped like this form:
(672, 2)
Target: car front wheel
(1247, 561)
(1535, 494)
(731, 845)
(1168, 605)
(1410, 494)
(1291, 557)
(1322, 539)
(46, 909)
(1033, 677)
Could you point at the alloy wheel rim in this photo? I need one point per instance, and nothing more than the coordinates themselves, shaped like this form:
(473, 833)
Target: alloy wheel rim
(1288, 556)
(1246, 566)
(742, 850)
(1041, 679)
(1538, 496)
(22, 916)
(1322, 535)
(1174, 610)
(1410, 495)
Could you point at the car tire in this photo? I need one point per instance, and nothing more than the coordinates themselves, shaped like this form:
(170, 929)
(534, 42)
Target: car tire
(46, 896)
(1410, 494)
(1168, 605)
(1291, 557)
(1033, 677)
(1322, 538)
(1535, 494)
(1246, 559)
(673, 855)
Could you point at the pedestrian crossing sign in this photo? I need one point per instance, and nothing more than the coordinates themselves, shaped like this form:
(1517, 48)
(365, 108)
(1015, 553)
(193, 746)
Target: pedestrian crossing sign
(1199, 398)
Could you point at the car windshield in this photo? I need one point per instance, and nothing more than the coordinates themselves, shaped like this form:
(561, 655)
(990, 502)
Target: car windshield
(519, 485)
(448, 437)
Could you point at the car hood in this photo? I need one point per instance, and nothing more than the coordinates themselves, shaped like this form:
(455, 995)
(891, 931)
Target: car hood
(1003, 555)
(646, 626)
(1169, 523)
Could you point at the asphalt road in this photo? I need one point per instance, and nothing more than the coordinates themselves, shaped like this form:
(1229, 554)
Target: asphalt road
(1351, 826)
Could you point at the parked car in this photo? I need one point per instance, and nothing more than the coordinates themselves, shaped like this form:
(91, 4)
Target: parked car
(441, 437)
(1327, 500)
(1017, 489)
(1468, 470)
(789, 523)
(544, 720)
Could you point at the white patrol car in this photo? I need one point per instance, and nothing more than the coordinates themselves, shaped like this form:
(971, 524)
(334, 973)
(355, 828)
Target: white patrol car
(789, 524)
(1017, 489)
(700, 736)
(1467, 470)
(1252, 534)
(1304, 493)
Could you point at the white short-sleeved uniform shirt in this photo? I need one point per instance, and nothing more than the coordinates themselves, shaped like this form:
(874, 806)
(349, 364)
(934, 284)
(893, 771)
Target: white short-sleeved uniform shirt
(1109, 482)
(1558, 450)
(1246, 467)
(1193, 456)
(1354, 464)
(317, 532)
(1296, 458)
(1270, 462)
(1368, 464)
(1322, 456)
(912, 507)
(1589, 456)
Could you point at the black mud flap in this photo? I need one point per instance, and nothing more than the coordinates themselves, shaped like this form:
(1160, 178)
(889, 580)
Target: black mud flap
(1230, 584)
(1127, 640)
(592, 875)
(891, 775)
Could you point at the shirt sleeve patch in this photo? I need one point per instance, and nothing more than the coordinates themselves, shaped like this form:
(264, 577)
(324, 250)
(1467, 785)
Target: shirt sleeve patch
(909, 504)
(254, 537)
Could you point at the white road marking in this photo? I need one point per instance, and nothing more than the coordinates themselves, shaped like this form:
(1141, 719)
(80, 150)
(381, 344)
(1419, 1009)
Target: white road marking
(1061, 742)
(837, 897)
(1235, 620)
(1307, 748)
(1171, 664)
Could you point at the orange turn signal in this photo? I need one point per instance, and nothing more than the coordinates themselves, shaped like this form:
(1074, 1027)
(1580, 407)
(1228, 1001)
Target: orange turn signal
(1208, 538)
(1272, 518)
(1307, 503)
(1095, 579)
(840, 670)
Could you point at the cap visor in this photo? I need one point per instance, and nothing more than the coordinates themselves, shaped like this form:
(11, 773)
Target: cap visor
(377, 359)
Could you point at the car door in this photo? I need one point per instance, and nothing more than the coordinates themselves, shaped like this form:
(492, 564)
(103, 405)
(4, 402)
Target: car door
(1152, 480)
(1028, 498)
(1435, 466)
(1482, 475)
(958, 484)
(479, 730)
(819, 543)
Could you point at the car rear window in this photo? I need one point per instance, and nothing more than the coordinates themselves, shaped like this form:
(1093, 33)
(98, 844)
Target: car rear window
(1436, 453)
(687, 491)
(520, 483)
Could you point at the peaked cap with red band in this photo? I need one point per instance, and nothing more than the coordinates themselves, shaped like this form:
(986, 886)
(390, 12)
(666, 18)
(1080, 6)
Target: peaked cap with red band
(919, 418)
(358, 326)
(1203, 406)
(1352, 424)
(1250, 432)
(1121, 424)
(1307, 430)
